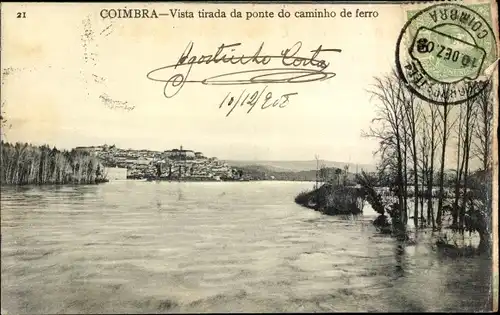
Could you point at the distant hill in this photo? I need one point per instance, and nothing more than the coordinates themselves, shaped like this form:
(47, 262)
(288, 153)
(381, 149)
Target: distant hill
(264, 172)
(298, 166)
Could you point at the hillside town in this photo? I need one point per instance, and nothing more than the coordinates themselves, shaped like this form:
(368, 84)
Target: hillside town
(174, 164)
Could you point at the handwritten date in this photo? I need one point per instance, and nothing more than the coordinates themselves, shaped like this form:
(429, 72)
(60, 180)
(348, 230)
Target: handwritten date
(253, 99)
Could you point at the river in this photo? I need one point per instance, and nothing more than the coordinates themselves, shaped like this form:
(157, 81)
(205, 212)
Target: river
(159, 247)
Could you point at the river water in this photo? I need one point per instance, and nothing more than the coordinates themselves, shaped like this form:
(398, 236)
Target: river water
(159, 247)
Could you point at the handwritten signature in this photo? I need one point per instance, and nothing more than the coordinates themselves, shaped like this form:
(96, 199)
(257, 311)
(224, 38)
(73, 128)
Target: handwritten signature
(293, 69)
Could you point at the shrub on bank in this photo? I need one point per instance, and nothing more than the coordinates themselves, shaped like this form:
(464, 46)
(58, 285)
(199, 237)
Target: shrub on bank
(331, 200)
(302, 198)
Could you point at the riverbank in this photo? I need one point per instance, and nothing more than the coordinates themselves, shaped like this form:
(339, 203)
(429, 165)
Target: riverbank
(69, 183)
(211, 179)
(194, 179)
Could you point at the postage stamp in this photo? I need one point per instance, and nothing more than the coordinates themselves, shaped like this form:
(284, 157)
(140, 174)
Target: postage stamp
(444, 51)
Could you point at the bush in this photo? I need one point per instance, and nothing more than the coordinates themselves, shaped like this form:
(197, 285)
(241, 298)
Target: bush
(331, 200)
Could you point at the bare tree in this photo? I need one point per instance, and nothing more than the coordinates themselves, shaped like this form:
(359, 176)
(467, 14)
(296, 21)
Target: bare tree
(483, 139)
(316, 157)
(423, 144)
(412, 113)
(345, 175)
(389, 122)
(444, 113)
(484, 126)
(428, 144)
(468, 130)
(459, 166)
(405, 144)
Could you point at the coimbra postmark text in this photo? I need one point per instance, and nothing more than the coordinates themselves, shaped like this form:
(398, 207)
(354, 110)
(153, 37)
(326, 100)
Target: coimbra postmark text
(444, 51)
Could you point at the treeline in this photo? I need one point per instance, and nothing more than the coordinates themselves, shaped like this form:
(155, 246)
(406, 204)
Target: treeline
(24, 164)
(417, 141)
(258, 172)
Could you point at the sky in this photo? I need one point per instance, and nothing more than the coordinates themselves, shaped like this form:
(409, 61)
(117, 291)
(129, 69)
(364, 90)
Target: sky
(59, 86)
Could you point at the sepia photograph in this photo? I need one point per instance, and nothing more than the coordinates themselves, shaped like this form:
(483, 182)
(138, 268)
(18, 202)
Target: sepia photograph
(203, 157)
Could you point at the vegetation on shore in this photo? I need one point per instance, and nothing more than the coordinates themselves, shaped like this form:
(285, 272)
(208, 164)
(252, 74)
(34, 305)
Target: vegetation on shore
(25, 164)
(259, 172)
(417, 141)
(332, 200)
(335, 197)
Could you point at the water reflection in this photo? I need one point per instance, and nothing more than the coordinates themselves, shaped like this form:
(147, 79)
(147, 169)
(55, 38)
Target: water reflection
(400, 255)
(474, 283)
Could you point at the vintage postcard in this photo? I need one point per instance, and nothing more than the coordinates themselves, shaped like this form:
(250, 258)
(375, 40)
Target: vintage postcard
(176, 157)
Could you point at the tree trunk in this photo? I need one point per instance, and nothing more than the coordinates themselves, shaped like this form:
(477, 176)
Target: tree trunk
(430, 180)
(441, 174)
(469, 124)
(465, 194)
(458, 173)
(415, 185)
(483, 229)
(405, 183)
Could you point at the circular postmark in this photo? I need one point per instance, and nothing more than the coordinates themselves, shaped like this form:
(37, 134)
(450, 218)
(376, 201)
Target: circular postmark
(443, 50)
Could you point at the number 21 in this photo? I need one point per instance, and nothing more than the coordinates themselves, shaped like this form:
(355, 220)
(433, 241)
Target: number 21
(21, 15)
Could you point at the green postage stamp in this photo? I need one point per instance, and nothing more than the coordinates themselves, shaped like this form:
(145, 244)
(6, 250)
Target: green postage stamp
(444, 51)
